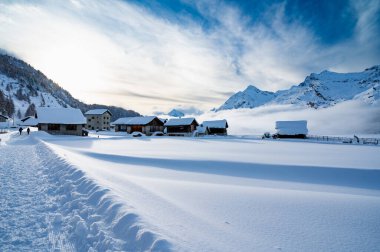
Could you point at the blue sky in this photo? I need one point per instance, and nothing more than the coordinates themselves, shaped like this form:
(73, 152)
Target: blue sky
(156, 55)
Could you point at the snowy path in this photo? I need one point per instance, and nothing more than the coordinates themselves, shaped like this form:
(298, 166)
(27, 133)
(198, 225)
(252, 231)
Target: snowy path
(24, 202)
(48, 205)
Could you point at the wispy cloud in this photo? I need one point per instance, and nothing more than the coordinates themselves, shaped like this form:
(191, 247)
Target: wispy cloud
(97, 48)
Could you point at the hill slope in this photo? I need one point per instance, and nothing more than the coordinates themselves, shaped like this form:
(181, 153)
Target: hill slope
(22, 88)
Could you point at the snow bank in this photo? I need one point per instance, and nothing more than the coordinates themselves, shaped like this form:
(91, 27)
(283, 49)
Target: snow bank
(230, 194)
(91, 216)
(77, 213)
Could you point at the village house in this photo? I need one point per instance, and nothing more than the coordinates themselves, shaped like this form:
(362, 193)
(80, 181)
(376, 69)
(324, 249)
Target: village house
(98, 119)
(29, 121)
(202, 131)
(144, 124)
(216, 127)
(61, 121)
(291, 129)
(181, 126)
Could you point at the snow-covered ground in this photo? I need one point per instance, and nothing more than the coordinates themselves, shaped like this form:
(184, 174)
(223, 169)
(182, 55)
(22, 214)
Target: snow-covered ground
(188, 194)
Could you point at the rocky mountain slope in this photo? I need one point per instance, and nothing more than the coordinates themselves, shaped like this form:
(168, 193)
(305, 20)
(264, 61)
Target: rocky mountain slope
(23, 88)
(316, 91)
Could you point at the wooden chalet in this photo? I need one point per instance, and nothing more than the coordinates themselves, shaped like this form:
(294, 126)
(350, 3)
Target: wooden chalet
(181, 126)
(291, 129)
(61, 121)
(216, 127)
(202, 131)
(144, 124)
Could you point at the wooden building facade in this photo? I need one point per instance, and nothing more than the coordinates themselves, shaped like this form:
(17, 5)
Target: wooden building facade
(144, 124)
(61, 121)
(216, 127)
(181, 126)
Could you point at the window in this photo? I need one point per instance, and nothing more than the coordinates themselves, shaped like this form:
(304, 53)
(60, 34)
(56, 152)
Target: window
(53, 127)
(93, 117)
(71, 127)
(89, 120)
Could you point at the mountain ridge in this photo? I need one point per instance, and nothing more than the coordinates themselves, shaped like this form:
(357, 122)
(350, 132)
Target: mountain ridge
(27, 88)
(317, 91)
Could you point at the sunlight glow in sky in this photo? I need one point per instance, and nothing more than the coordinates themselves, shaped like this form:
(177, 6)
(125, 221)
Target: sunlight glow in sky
(156, 55)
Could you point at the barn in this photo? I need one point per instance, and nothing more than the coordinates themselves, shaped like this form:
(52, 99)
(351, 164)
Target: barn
(216, 127)
(181, 126)
(291, 129)
(144, 124)
(61, 121)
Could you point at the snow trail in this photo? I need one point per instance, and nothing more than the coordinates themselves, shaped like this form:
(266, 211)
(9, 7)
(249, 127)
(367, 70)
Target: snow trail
(46, 204)
(24, 202)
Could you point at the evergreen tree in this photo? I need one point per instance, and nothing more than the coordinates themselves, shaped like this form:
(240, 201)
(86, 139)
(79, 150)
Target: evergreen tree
(19, 114)
(31, 110)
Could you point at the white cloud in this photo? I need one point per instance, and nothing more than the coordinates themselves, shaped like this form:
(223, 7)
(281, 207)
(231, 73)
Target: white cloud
(118, 53)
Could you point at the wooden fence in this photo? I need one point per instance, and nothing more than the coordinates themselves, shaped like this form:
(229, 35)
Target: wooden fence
(357, 140)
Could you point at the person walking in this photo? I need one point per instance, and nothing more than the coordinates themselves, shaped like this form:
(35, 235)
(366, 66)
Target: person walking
(28, 130)
(20, 130)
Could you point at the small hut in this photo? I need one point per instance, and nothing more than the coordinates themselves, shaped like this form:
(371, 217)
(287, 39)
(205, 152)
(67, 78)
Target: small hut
(181, 126)
(291, 129)
(61, 121)
(144, 124)
(216, 127)
(202, 130)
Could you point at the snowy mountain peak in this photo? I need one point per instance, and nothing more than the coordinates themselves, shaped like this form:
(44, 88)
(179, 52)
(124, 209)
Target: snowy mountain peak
(176, 113)
(249, 98)
(316, 91)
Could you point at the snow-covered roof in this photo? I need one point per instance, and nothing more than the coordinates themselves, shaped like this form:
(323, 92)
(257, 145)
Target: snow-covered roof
(291, 127)
(162, 119)
(29, 121)
(138, 120)
(60, 116)
(180, 121)
(216, 124)
(202, 129)
(97, 112)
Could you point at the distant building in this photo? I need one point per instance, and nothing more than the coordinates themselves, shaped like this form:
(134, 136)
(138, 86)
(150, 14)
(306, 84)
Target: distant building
(202, 130)
(291, 129)
(216, 127)
(181, 126)
(98, 119)
(29, 121)
(61, 121)
(144, 124)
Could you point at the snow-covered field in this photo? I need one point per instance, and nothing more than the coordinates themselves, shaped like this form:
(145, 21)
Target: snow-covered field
(187, 194)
